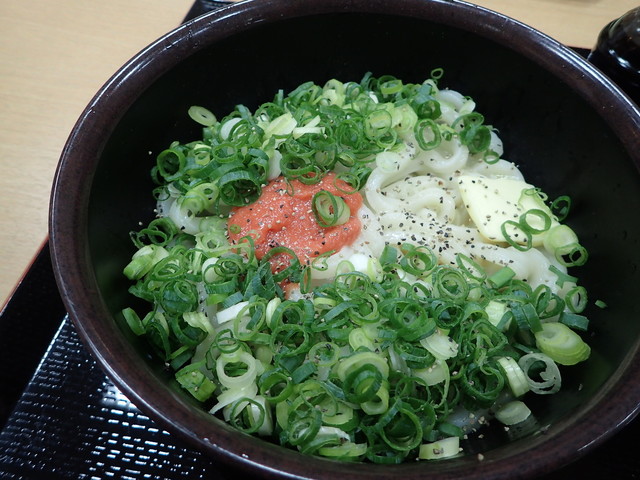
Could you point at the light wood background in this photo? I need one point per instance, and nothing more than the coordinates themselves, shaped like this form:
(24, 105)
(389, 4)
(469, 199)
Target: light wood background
(55, 54)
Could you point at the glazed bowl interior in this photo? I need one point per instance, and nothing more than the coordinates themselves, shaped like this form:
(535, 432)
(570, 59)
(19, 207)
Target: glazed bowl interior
(569, 130)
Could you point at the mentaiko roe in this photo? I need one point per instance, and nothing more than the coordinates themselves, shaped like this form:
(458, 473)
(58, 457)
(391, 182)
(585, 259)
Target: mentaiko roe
(283, 216)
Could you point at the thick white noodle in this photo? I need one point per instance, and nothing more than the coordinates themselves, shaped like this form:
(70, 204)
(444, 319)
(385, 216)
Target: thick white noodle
(414, 196)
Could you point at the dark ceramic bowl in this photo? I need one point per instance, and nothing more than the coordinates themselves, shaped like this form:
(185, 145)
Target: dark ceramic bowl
(570, 130)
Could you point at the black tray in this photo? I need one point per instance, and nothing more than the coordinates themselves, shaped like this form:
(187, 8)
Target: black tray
(62, 418)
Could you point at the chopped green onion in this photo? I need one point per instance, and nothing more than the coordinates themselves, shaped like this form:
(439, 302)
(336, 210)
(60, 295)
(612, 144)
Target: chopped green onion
(536, 213)
(418, 261)
(574, 321)
(547, 303)
(495, 312)
(572, 255)
(470, 268)
(513, 413)
(359, 339)
(239, 187)
(436, 373)
(357, 360)
(445, 448)
(427, 134)
(516, 378)
(526, 317)
(501, 277)
(324, 354)
(450, 430)
(547, 380)
(144, 260)
(562, 242)
(195, 382)
(275, 385)
(441, 346)
(437, 73)
(561, 207)
(519, 237)
(491, 157)
(346, 451)
(237, 370)
(362, 384)
(378, 124)
(248, 415)
(576, 299)
(562, 344)
(483, 384)
(329, 209)
(303, 428)
(450, 283)
(563, 277)
(391, 87)
(133, 321)
(600, 304)
(472, 132)
(303, 372)
(202, 116)
(343, 417)
(171, 163)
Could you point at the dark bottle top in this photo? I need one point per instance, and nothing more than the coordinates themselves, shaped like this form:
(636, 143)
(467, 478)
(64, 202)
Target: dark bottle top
(617, 52)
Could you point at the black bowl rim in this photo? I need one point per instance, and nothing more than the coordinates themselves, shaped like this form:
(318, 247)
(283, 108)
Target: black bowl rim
(69, 243)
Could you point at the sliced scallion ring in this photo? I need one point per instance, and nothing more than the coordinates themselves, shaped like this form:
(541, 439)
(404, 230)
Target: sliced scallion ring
(562, 344)
(329, 209)
(202, 115)
(561, 206)
(516, 378)
(521, 238)
(542, 373)
(427, 133)
(445, 448)
(513, 412)
(527, 223)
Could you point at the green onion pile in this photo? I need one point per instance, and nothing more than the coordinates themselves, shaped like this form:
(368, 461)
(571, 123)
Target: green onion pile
(374, 364)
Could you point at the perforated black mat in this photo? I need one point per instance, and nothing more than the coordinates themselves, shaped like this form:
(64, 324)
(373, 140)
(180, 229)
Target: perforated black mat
(62, 418)
(73, 423)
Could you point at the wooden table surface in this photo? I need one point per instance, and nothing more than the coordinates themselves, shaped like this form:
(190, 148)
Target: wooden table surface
(54, 55)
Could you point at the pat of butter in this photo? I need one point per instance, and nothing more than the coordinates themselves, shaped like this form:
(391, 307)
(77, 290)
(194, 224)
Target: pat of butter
(492, 201)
